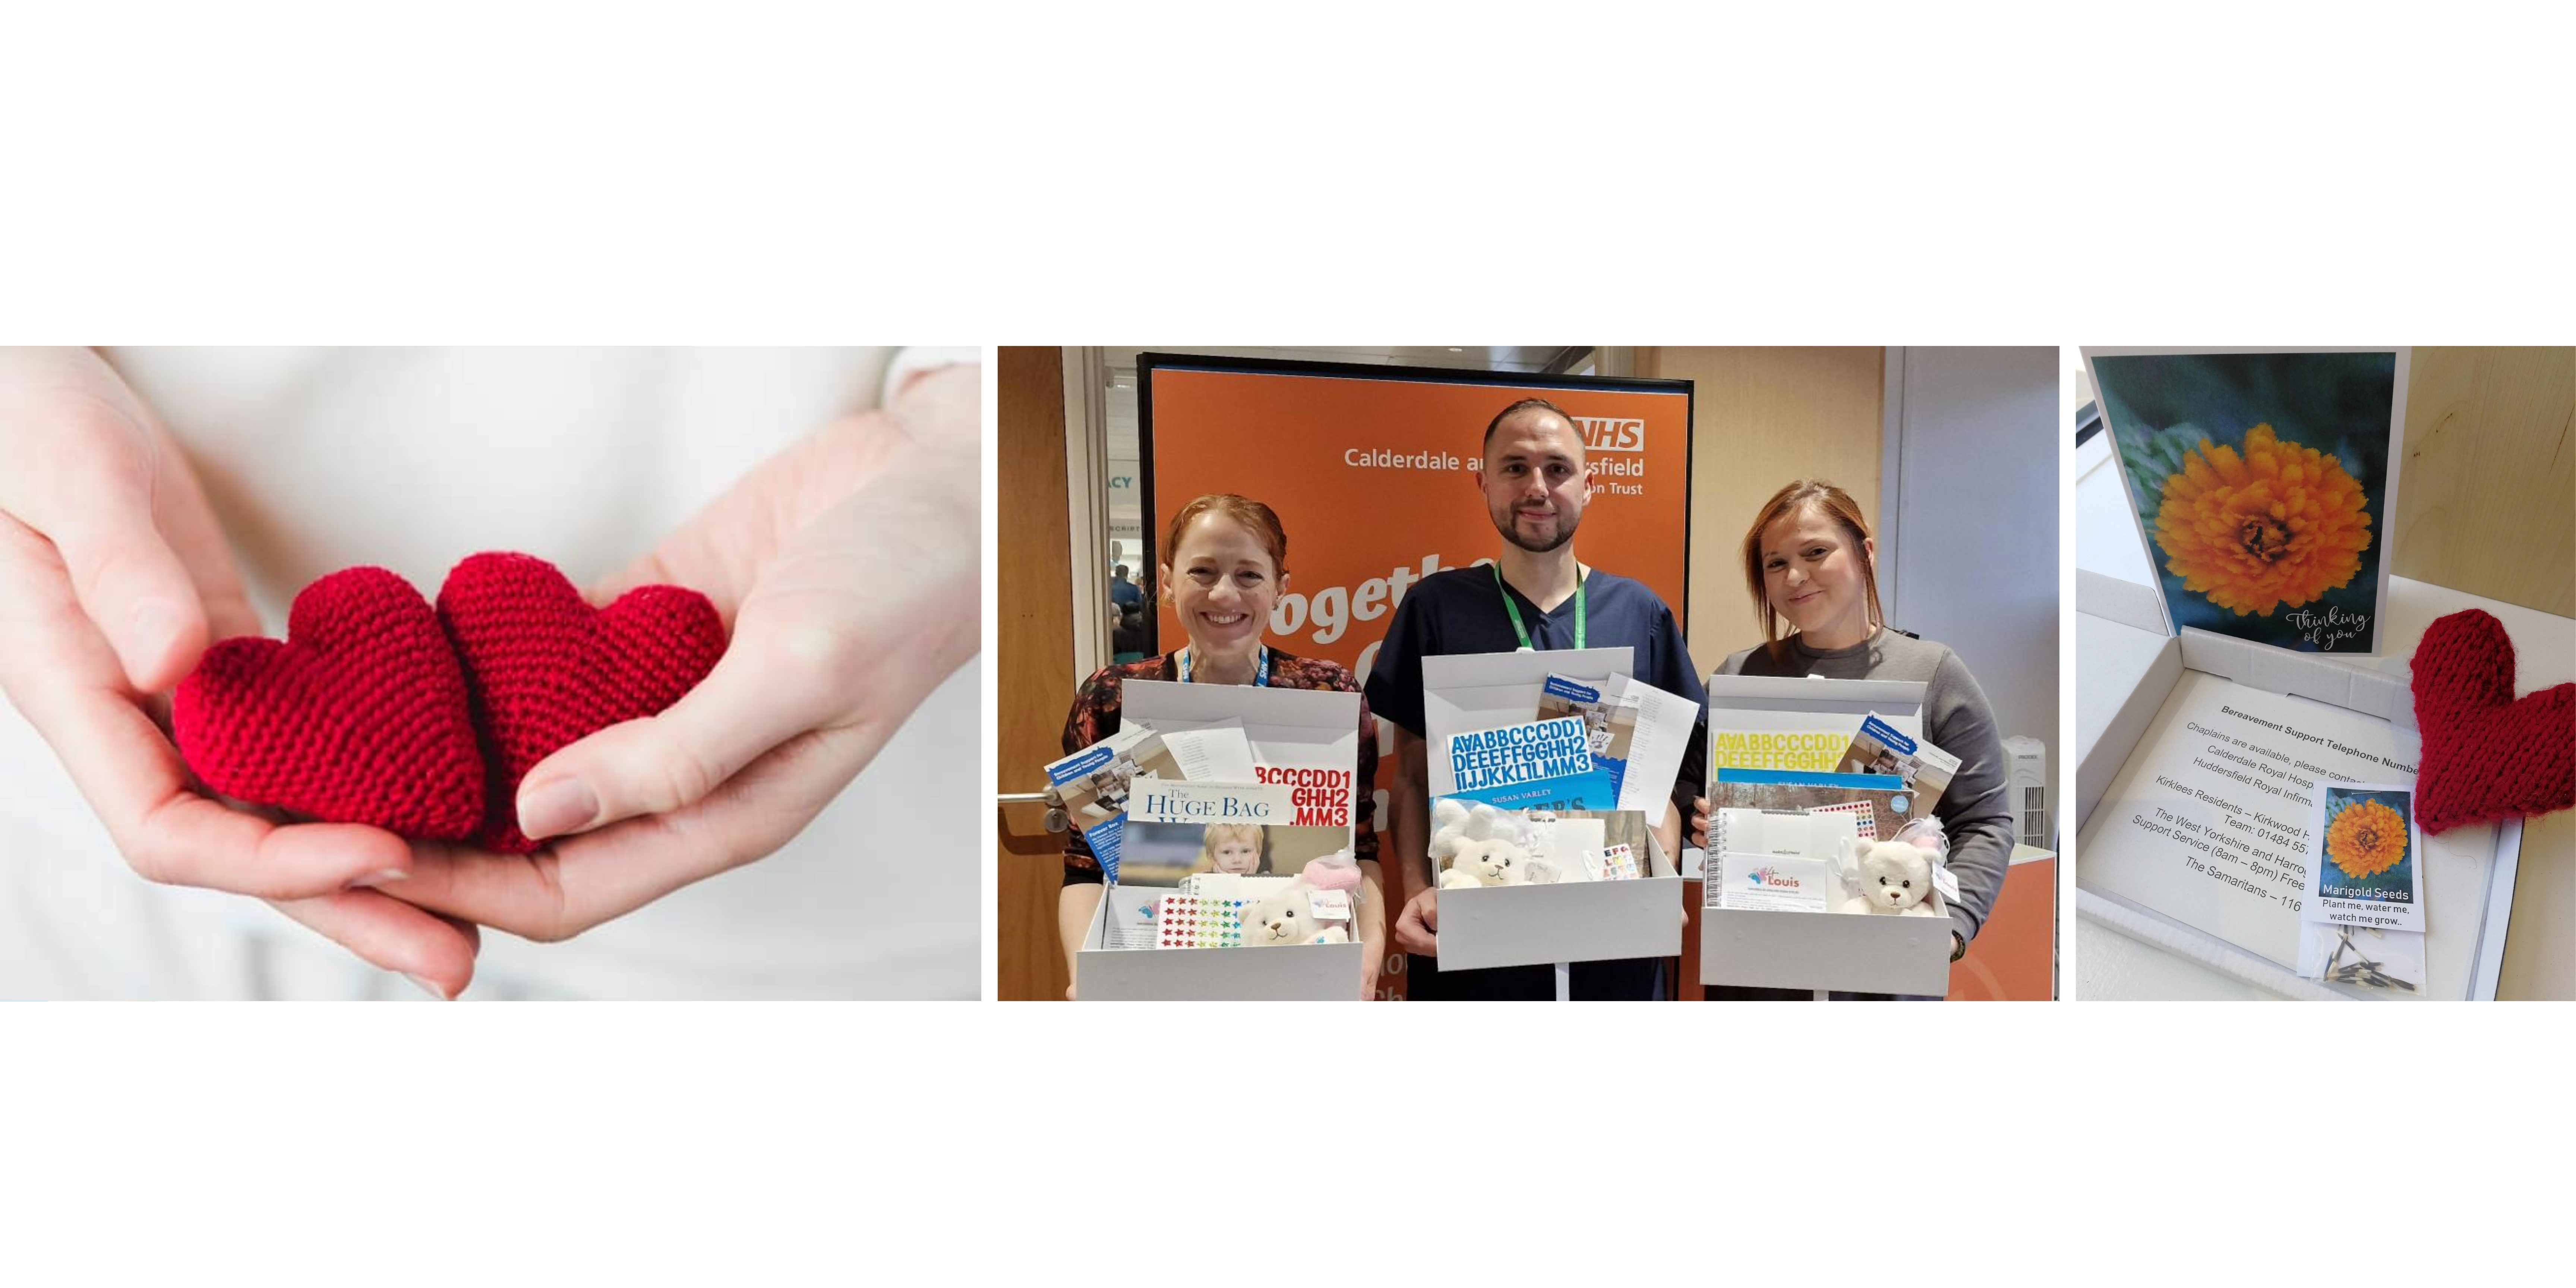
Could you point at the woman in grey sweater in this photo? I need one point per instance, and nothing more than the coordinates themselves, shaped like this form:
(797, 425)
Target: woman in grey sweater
(1809, 559)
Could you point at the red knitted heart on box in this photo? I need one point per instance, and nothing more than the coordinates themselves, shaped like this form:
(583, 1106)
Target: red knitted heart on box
(547, 669)
(2486, 756)
(358, 716)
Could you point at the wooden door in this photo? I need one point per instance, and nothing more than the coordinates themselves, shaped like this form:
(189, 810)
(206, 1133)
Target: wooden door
(1034, 603)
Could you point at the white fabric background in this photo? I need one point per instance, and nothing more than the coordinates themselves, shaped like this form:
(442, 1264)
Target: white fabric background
(316, 459)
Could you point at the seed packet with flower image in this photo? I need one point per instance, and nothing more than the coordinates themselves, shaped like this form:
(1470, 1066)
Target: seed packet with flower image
(2263, 484)
(2365, 870)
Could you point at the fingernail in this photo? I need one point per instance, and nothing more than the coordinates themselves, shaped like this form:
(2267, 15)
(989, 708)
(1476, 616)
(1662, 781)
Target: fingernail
(432, 989)
(556, 808)
(378, 878)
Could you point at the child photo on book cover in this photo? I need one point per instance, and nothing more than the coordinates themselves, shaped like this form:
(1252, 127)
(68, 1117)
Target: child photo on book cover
(1161, 854)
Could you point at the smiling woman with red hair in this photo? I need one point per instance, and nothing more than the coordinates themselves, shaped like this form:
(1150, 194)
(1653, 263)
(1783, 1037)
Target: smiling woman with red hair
(1225, 565)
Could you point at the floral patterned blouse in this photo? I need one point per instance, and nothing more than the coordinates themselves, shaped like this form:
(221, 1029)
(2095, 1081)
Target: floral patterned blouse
(1096, 707)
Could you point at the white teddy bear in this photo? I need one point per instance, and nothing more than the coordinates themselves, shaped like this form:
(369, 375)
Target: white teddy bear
(1288, 917)
(1895, 878)
(1492, 862)
(1454, 821)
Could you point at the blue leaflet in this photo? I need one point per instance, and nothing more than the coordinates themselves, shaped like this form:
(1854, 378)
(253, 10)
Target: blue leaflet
(1887, 737)
(1102, 836)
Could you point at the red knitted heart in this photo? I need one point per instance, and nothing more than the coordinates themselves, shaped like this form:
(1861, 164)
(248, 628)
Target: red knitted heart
(546, 669)
(358, 716)
(2486, 756)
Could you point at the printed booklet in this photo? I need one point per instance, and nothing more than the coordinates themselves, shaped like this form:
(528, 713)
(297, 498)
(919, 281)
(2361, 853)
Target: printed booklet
(1095, 782)
(1629, 725)
(1878, 803)
(1880, 749)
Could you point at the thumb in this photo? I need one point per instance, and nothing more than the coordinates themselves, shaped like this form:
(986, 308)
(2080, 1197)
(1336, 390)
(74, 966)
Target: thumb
(750, 703)
(97, 512)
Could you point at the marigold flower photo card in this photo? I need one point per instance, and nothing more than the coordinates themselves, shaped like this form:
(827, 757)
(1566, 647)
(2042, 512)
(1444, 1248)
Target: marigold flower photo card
(2263, 482)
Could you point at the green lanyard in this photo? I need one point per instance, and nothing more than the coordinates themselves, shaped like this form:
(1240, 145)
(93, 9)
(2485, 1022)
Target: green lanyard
(1515, 609)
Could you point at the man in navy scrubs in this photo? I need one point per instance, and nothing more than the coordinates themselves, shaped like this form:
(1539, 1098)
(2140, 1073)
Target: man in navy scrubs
(1534, 481)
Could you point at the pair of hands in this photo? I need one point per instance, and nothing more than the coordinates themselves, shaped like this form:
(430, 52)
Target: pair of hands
(846, 568)
(1417, 930)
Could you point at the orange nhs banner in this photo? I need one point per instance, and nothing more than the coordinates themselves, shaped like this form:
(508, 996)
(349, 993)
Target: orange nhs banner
(1371, 472)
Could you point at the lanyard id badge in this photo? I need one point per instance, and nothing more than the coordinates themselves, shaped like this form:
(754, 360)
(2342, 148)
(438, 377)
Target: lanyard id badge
(1260, 669)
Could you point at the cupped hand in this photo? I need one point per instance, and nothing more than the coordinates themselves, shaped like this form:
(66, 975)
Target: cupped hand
(848, 569)
(114, 575)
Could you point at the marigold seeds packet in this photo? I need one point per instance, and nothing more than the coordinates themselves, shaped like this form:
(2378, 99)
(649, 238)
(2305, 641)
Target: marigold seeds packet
(2362, 917)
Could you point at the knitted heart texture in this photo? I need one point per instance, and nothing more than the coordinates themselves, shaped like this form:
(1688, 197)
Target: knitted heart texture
(2487, 757)
(376, 709)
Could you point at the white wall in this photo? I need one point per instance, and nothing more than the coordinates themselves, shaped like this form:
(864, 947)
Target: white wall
(1971, 480)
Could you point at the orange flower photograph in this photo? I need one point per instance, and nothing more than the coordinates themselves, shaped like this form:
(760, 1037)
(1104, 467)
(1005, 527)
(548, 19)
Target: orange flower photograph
(2279, 524)
(2262, 482)
(2366, 839)
(2369, 845)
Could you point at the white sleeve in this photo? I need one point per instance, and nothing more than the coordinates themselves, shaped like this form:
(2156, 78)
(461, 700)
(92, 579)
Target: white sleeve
(916, 359)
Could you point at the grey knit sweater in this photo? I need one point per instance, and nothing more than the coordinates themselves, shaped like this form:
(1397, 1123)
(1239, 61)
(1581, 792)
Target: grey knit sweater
(1976, 811)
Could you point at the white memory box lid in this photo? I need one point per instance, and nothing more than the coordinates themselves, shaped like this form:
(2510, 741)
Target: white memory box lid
(1287, 728)
(1302, 973)
(1304, 728)
(1852, 952)
(2128, 669)
(1900, 701)
(1574, 921)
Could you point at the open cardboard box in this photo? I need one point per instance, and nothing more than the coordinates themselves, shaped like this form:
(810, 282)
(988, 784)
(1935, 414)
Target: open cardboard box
(1288, 728)
(1537, 925)
(1853, 952)
(2129, 663)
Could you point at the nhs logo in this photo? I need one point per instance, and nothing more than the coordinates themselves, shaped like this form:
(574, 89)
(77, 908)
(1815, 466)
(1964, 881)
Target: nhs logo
(1611, 433)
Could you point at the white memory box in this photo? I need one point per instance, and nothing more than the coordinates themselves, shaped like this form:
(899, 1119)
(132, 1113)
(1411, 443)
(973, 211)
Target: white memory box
(1852, 952)
(2128, 667)
(1535, 925)
(1288, 729)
